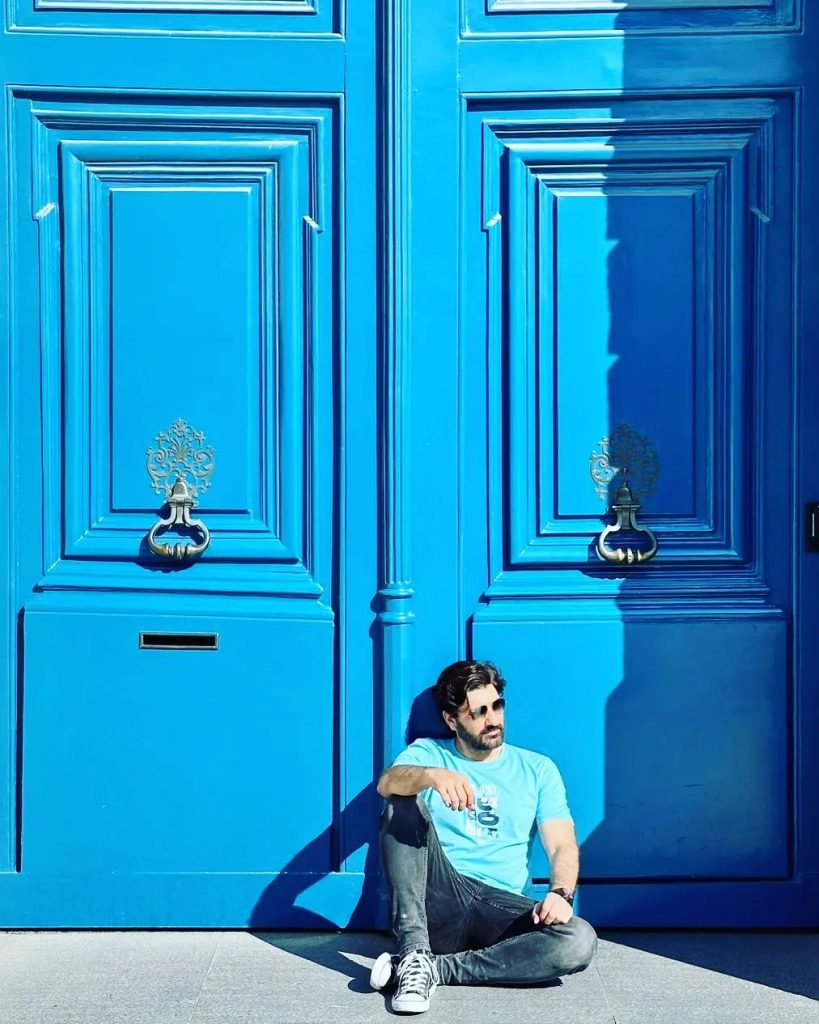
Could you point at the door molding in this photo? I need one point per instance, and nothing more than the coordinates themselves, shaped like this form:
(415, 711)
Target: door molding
(395, 614)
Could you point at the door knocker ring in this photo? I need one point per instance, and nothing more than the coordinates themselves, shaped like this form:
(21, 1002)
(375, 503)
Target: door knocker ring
(181, 457)
(630, 457)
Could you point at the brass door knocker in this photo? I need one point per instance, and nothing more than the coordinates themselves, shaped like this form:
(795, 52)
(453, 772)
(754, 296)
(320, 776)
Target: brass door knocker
(625, 456)
(180, 456)
(625, 508)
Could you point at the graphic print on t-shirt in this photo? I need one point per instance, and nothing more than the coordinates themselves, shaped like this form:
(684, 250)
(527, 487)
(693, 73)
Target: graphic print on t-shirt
(483, 821)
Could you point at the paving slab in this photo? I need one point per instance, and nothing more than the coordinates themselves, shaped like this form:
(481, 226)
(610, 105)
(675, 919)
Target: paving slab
(79, 977)
(298, 979)
(708, 977)
(178, 977)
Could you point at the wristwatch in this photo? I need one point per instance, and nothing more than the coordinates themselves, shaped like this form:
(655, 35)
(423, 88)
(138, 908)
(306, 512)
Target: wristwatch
(567, 896)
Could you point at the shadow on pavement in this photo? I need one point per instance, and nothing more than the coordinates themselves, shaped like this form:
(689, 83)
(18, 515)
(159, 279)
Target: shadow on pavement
(333, 950)
(780, 960)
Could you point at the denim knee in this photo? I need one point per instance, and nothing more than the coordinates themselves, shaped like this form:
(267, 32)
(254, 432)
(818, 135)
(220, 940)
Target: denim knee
(578, 946)
(406, 818)
(406, 807)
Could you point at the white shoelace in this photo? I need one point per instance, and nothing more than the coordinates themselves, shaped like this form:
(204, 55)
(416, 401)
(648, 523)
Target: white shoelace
(416, 974)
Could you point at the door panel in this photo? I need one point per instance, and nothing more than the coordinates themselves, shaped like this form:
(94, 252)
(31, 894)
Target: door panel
(612, 260)
(544, 18)
(145, 760)
(627, 192)
(181, 223)
(676, 757)
(187, 262)
(147, 17)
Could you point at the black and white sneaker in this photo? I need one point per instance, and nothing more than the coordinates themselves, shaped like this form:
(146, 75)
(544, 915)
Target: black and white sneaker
(383, 974)
(416, 979)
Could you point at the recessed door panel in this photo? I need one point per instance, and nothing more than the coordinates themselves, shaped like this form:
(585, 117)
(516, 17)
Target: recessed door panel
(672, 738)
(176, 760)
(189, 276)
(545, 18)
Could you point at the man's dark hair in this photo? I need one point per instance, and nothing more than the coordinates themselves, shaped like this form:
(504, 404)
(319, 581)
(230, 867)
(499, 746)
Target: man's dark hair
(457, 679)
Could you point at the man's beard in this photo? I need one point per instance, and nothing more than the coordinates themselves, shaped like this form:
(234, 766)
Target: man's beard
(482, 742)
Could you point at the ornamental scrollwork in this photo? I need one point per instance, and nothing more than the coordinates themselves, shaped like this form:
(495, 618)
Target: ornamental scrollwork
(180, 454)
(625, 473)
(625, 456)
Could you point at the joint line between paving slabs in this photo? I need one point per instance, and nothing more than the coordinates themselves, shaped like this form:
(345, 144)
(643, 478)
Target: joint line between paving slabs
(207, 974)
(603, 990)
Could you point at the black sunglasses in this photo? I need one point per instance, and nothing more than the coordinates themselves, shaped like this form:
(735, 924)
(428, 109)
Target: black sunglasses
(476, 714)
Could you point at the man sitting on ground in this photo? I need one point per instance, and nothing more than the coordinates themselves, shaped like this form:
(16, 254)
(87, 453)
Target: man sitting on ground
(455, 838)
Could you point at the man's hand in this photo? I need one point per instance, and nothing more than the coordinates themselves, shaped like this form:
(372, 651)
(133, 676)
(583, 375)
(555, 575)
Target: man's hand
(553, 909)
(408, 780)
(454, 789)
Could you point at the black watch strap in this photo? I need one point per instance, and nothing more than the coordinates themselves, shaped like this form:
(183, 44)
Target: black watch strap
(567, 896)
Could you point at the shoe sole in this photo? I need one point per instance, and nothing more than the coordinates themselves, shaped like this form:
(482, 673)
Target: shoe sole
(381, 973)
(416, 1006)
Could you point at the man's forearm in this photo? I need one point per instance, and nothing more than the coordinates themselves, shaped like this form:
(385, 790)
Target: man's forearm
(565, 867)
(404, 780)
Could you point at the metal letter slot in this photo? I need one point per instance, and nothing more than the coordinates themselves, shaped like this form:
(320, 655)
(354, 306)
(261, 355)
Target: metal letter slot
(179, 641)
(180, 456)
(631, 457)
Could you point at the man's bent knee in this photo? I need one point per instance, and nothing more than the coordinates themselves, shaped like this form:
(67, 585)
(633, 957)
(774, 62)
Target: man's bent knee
(578, 946)
(406, 817)
(405, 806)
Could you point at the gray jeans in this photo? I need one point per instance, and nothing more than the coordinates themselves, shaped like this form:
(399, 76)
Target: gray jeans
(480, 935)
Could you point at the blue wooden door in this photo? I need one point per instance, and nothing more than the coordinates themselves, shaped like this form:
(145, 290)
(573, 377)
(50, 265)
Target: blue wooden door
(557, 219)
(188, 742)
(622, 201)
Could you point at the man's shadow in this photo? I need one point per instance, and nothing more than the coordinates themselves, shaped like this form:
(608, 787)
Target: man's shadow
(312, 935)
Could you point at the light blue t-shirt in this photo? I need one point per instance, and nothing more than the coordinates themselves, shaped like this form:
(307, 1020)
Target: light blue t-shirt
(513, 794)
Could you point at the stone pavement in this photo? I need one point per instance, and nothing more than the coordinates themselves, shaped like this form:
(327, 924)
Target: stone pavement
(204, 977)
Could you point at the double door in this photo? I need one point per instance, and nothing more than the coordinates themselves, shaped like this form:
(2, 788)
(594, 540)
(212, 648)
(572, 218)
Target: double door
(375, 284)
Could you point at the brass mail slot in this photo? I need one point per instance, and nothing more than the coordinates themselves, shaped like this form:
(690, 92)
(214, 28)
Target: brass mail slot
(179, 641)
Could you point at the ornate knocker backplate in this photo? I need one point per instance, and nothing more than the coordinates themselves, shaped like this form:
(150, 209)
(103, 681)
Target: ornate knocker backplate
(628, 462)
(180, 467)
